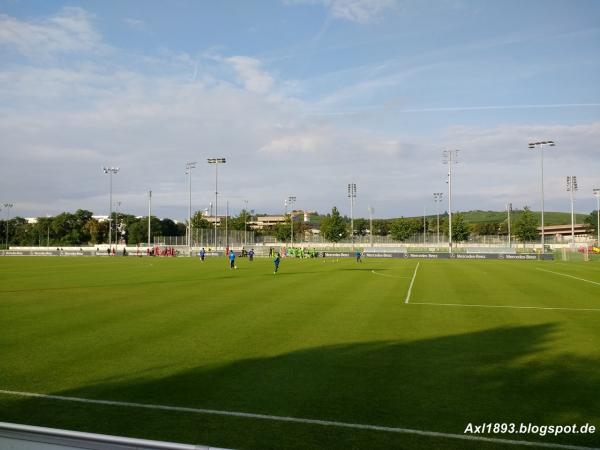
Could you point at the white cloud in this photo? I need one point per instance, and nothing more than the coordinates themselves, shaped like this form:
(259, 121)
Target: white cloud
(61, 122)
(135, 24)
(69, 31)
(360, 11)
(299, 142)
(250, 73)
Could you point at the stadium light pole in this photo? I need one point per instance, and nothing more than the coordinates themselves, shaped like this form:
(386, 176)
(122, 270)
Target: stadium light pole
(245, 222)
(597, 195)
(371, 211)
(540, 145)
(110, 171)
(450, 158)
(508, 210)
(291, 201)
(424, 226)
(118, 204)
(216, 162)
(149, 214)
(352, 197)
(437, 199)
(188, 170)
(7, 206)
(572, 188)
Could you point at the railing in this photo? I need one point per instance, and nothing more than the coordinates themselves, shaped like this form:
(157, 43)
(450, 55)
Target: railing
(37, 438)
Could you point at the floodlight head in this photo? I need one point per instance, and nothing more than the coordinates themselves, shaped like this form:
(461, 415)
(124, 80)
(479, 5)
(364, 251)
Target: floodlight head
(541, 144)
(596, 192)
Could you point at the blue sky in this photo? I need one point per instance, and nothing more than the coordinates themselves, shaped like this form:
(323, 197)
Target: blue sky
(302, 97)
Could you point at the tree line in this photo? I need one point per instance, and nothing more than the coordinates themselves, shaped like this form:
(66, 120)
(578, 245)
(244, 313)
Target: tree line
(81, 228)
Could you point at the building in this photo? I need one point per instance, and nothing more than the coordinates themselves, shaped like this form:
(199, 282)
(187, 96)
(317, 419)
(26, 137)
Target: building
(562, 233)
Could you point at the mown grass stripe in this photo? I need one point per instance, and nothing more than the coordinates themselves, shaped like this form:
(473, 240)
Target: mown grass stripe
(299, 420)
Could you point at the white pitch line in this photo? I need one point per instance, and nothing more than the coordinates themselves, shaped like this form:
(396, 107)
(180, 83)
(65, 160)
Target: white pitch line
(386, 275)
(411, 283)
(465, 437)
(505, 306)
(570, 276)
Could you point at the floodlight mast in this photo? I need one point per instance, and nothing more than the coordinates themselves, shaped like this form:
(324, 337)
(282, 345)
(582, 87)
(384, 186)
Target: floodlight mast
(216, 162)
(188, 170)
(572, 188)
(352, 197)
(437, 198)
(371, 211)
(149, 214)
(245, 222)
(540, 145)
(7, 206)
(509, 209)
(290, 201)
(450, 158)
(597, 195)
(118, 205)
(110, 171)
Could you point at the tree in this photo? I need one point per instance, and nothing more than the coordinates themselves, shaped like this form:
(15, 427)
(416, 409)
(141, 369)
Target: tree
(486, 228)
(92, 227)
(333, 227)
(239, 222)
(361, 227)
(169, 228)
(526, 227)
(460, 228)
(282, 231)
(591, 222)
(137, 232)
(381, 227)
(403, 228)
(199, 222)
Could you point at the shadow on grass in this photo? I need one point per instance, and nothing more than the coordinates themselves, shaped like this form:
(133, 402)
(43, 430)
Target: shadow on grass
(439, 384)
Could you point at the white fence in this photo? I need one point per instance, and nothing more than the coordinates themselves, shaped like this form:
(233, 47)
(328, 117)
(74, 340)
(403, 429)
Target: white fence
(25, 437)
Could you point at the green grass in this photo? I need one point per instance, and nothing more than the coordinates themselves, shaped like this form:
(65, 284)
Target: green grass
(320, 340)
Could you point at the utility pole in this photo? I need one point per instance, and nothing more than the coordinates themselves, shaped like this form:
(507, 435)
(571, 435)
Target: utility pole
(290, 201)
(597, 195)
(188, 170)
(216, 162)
(149, 214)
(509, 209)
(437, 199)
(352, 197)
(572, 188)
(450, 158)
(371, 211)
(540, 145)
(7, 206)
(110, 171)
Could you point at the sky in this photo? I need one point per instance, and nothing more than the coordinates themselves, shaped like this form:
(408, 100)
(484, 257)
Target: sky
(301, 97)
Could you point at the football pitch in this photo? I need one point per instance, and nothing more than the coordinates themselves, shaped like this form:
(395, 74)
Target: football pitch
(323, 355)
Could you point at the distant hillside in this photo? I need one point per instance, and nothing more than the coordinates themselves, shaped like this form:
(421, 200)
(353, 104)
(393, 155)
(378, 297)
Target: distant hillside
(478, 216)
(550, 217)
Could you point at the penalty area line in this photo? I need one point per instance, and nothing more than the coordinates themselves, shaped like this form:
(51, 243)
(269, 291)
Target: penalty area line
(570, 276)
(411, 284)
(466, 305)
(330, 423)
(386, 275)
